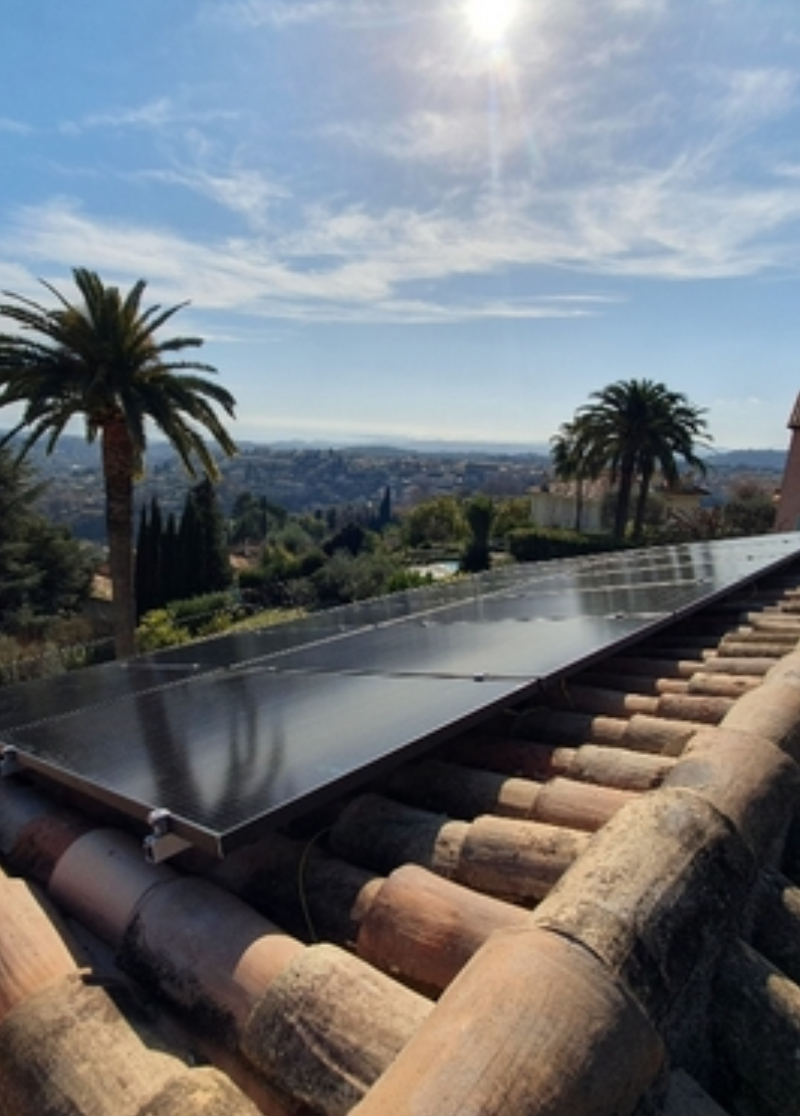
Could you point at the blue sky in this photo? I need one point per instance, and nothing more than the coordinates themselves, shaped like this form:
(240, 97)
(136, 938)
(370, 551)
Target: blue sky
(391, 223)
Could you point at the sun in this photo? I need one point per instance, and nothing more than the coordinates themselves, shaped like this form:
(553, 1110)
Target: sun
(489, 19)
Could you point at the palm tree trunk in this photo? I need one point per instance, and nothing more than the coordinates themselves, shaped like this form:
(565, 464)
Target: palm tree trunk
(118, 470)
(641, 504)
(578, 505)
(623, 500)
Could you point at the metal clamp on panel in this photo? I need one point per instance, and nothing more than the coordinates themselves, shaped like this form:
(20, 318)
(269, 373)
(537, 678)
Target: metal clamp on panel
(162, 843)
(9, 761)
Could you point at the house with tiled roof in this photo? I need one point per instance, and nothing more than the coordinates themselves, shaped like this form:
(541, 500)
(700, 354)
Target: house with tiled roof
(583, 505)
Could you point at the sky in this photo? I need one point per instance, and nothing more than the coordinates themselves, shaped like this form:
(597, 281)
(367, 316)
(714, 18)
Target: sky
(424, 219)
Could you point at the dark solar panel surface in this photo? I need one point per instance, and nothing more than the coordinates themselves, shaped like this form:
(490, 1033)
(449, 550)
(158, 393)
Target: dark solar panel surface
(233, 735)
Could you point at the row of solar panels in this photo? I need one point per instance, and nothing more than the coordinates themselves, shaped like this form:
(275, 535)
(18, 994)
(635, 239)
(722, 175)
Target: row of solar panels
(214, 742)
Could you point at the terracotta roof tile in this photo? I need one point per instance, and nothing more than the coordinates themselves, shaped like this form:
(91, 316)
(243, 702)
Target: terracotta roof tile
(587, 906)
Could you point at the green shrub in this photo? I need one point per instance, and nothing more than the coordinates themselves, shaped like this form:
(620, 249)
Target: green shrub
(217, 624)
(24, 661)
(158, 630)
(34, 647)
(196, 613)
(408, 579)
(543, 544)
(19, 663)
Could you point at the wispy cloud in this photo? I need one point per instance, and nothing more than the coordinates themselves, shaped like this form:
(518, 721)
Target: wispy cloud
(749, 97)
(369, 272)
(15, 127)
(649, 8)
(246, 192)
(14, 277)
(276, 13)
(349, 264)
(458, 142)
(787, 170)
(153, 115)
(574, 157)
(287, 13)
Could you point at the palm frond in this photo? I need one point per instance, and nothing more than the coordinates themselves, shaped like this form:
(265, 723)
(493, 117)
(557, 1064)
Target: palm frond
(99, 356)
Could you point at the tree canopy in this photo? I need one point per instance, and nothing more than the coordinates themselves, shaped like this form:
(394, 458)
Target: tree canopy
(576, 458)
(633, 428)
(99, 359)
(43, 569)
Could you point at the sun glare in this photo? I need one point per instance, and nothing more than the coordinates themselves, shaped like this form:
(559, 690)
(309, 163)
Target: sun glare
(489, 19)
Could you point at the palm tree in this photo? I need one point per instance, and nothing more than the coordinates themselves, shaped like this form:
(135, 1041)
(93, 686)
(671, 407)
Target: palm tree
(99, 359)
(634, 427)
(574, 458)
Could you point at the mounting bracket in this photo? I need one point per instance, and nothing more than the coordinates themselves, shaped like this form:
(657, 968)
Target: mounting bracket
(9, 761)
(162, 843)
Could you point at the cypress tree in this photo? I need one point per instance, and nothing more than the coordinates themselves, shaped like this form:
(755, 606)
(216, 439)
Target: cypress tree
(149, 578)
(170, 565)
(214, 571)
(385, 509)
(155, 549)
(202, 552)
(188, 558)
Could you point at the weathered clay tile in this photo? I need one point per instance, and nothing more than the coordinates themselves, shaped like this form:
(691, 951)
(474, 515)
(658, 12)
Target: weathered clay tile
(454, 941)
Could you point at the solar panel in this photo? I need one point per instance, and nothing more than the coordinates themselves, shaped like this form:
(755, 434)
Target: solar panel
(215, 742)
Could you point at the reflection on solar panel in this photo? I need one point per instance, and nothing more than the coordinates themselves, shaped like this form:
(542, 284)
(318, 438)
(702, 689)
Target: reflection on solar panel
(217, 741)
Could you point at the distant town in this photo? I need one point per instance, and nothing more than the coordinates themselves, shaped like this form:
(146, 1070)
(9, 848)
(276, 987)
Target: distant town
(303, 478)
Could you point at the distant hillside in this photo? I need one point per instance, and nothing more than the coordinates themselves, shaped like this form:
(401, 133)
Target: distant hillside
(770, 459)
(403, 446)
(72, 451)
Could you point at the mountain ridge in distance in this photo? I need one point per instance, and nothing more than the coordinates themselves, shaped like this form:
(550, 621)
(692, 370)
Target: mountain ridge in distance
(73, 449)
